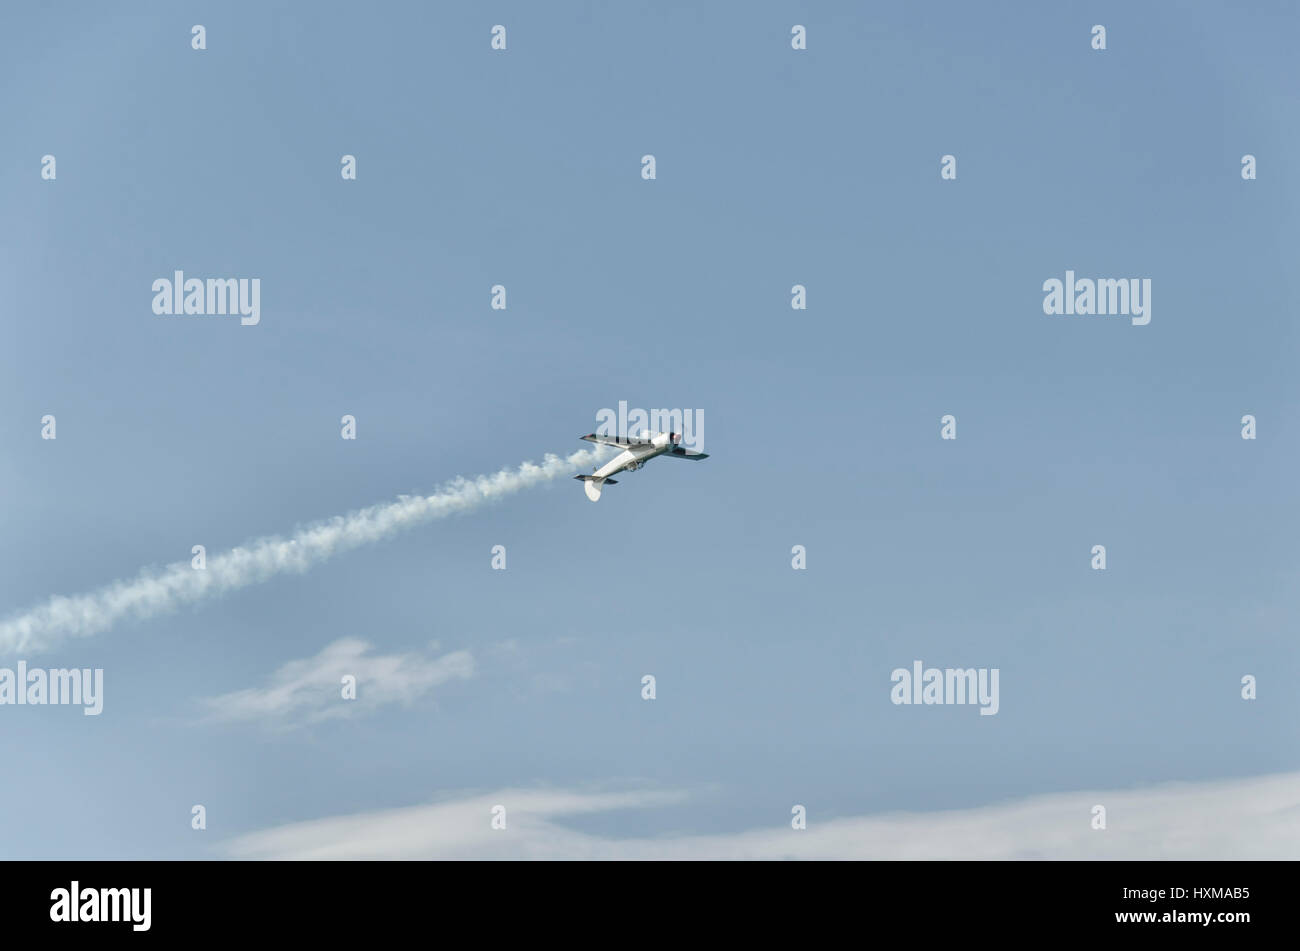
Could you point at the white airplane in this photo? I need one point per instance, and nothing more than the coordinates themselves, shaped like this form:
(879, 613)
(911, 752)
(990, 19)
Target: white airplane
(637, 451)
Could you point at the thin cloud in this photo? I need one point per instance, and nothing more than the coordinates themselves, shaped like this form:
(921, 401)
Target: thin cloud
(311, 689)
(1255, 818)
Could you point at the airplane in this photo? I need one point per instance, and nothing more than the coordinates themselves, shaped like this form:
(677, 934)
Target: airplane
(637, 449)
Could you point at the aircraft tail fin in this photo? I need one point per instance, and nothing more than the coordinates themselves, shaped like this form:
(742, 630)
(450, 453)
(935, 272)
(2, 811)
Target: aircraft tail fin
(593, 484)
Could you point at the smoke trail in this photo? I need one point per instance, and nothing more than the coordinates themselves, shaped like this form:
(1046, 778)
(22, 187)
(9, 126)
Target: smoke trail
(158, 591)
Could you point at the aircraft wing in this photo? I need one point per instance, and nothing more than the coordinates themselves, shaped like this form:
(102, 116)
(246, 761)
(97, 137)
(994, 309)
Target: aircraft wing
(611, 441)
(677, 452)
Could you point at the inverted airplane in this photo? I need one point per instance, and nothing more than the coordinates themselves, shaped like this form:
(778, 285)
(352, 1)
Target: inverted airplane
(637, 449)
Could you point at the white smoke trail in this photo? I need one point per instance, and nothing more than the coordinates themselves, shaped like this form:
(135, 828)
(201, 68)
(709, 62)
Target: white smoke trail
(158, 591)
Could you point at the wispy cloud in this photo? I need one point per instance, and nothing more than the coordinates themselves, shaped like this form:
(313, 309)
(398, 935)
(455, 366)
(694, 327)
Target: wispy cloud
(310, 690)
(1255, 818)
(452, 829)
(159, 591)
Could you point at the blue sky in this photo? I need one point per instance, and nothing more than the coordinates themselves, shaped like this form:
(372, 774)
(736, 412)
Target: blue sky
(774, 167)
